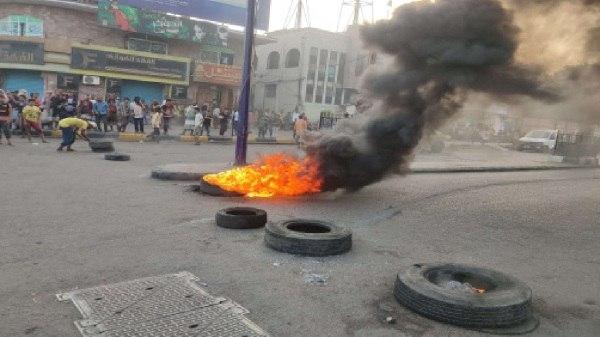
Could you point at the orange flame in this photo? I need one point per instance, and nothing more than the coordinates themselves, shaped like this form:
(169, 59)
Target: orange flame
(273, 175)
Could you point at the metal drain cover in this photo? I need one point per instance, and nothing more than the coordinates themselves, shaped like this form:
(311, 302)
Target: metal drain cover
(171, 305)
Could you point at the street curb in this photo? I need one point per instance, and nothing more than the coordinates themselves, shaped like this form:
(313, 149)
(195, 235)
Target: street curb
(500, 169)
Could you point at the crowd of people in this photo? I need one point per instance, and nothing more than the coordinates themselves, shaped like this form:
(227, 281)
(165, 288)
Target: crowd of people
(29, 113)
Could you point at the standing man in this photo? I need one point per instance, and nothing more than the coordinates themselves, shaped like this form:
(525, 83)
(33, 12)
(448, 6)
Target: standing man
(69, 127)
(224, 121)
(32, 120)
(101, 112)
(5, 117)
(138, 115)
(168, 113)
(123, 114)
(206, 121)
(235, 119)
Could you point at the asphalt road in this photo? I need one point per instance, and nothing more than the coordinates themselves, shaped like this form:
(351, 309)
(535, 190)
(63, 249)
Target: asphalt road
(73, 220)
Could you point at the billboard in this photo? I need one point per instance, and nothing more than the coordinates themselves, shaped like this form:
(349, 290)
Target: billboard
(134, 19)
(226, 11)
(21, 52)
(94, 59)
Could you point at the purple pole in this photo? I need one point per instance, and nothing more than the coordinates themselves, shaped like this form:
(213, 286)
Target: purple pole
(241, 144)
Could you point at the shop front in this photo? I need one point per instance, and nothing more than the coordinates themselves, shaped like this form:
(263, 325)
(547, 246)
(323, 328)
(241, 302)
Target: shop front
(217, 84)
(126, 73)
(21, 62)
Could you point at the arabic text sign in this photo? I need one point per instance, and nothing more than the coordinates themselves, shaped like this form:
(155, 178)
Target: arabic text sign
(227, 11)
(218, 74)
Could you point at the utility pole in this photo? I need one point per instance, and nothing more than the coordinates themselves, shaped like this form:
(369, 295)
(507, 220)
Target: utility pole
(299, 14)
(241, 145)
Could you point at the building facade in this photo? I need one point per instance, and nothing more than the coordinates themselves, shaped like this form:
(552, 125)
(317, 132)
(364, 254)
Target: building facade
(48, 45)
(309, 70)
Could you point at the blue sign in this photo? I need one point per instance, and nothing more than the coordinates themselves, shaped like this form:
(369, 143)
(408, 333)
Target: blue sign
(226, 11)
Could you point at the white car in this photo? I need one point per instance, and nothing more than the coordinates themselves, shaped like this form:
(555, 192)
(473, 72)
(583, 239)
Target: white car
(538, 140)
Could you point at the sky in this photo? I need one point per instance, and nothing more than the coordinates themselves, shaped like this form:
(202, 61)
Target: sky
(324, 14)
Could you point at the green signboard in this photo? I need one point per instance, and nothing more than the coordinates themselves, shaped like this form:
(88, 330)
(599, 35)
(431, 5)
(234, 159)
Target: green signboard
(133, 19)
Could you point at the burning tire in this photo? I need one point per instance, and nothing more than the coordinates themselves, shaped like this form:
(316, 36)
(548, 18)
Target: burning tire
(101, 145)
(117, 157)
(464, 295)
(308, 237)
(241, 218)
(212, 190)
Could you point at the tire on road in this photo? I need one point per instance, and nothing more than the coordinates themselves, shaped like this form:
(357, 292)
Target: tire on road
(101, 145)
(212, 190)
(117, 156)
(308, 237)
(241, 218)
(506, 301)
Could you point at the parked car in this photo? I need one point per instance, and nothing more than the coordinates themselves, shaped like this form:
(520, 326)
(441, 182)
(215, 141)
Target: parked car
(538, 140)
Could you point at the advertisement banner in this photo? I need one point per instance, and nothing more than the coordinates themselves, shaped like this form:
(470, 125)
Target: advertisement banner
(21, 52)
(92, 59)
(226, 11)
(133, 19)
(218, 74)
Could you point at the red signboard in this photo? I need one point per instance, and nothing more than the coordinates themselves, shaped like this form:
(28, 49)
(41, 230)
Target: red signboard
(218, 74)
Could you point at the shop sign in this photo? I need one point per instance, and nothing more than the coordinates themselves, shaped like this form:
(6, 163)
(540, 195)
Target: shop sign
(139, 20)
(92, 59)
(21, 52)
(218, 74)
(227, 11)
(67, 81)
(178, 92)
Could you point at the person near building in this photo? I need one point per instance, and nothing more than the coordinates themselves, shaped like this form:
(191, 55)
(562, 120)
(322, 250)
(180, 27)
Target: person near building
(216, 111)
(85, 108)
(123, 114)
(101, 113)
(146, 111)
(262, 124)
(5, 117)
(138, 115)
(32, 118)
(190, 119)
(112, 114)
(223, 121)
(71, 126)
(168, 114)
(198, 121)
(300, 127)
(206, 121)
(235, 119)
(156, 119)
(20, 104)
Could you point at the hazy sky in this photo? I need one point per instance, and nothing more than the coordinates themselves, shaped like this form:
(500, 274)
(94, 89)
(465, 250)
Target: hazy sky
(324, 14)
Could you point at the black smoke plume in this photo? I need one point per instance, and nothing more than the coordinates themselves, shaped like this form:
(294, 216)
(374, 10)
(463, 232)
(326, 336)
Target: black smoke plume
(441, 51)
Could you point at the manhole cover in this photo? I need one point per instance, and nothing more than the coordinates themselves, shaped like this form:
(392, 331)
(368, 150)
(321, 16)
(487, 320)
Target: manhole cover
(170, 305)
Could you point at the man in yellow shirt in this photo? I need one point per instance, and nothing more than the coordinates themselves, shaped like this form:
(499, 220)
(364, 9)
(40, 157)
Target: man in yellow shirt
(69, 126)
(31, 120)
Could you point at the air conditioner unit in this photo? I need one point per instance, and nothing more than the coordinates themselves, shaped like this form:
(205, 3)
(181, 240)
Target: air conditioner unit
(91, 80)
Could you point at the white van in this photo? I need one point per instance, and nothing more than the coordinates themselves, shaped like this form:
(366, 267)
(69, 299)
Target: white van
(538, 140)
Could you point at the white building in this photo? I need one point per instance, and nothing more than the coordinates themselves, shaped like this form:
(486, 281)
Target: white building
(309, 70)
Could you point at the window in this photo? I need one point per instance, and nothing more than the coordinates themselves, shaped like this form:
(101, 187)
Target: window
(329, 94)
(273, 60)
(338, 96)
(292, 60)
(322, 64)
(360, 65)
(342, 68)
(319, 95)
(22, 25)
(271, 90)
(332, 69)
(310, 90)
(226, 58)
(312, 64)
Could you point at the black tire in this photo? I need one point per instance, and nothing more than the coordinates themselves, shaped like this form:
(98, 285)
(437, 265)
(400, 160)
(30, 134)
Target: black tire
(507, 302)
(325, 238)
(100, 145)
(117, 156)
(212, 190)
(241, 218)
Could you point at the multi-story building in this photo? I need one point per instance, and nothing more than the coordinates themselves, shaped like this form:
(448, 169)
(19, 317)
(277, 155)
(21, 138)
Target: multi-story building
(48, 45)
(309, 70)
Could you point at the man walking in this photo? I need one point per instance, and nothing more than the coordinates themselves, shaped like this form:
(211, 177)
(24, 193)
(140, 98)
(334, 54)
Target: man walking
(206, 121)
(101, 112)
(123, 114)
(5, 117)
(69, 127)
(168, 113)
(138, 115)
(32, 120)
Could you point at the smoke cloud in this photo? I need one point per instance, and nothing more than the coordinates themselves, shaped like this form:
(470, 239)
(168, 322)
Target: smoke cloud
(442, 50)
